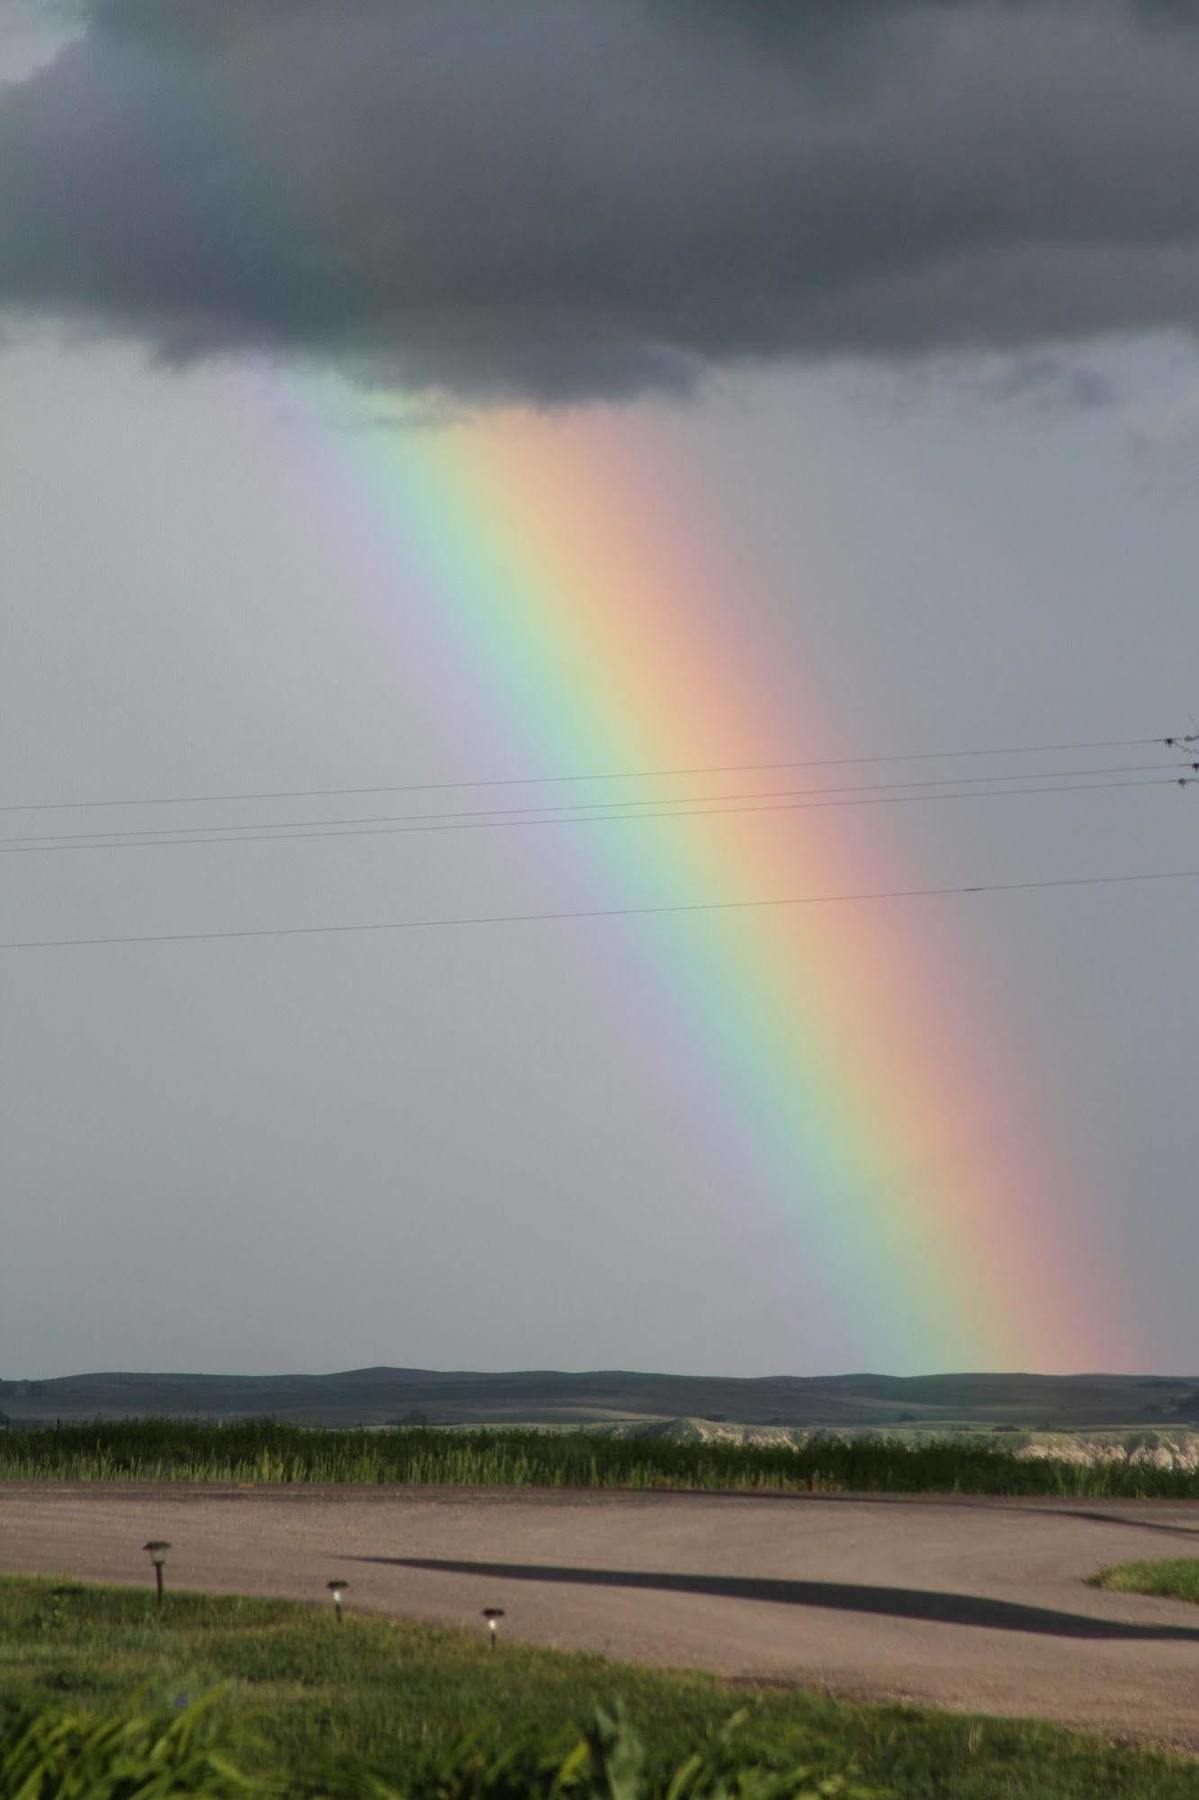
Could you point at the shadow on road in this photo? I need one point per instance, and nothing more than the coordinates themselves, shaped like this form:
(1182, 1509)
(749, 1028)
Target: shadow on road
(1050, 1506)
(1102, 1518)
(840, 1596)
(1051, 1509)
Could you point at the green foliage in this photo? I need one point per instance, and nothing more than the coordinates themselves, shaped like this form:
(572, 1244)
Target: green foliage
(1176, 1577)
(262, 1450)
(609, 1762)
(51, 1753)
(382, 1709)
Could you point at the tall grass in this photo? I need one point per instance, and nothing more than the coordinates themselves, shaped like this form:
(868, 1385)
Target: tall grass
(262, 1450)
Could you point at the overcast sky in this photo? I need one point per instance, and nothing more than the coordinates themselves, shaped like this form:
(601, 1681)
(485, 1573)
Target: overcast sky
(907, 294)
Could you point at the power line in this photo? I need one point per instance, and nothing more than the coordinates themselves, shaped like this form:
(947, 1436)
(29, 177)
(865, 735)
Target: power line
(280, 834)
(602, 808)
(427, 787)
(607, 912)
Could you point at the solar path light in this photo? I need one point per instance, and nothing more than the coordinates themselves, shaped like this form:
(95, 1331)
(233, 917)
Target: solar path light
(493, 1615)
(156, 1550)
(337, 1588)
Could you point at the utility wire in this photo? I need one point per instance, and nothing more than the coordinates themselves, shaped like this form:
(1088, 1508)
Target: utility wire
(1177, 740)
(608, 912)
(602, 808)
(280, 835)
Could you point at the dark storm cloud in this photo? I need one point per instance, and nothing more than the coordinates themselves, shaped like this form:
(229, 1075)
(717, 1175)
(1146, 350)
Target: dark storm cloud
(564, 198)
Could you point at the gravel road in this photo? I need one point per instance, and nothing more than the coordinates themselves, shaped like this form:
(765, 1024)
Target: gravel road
(967, 1603)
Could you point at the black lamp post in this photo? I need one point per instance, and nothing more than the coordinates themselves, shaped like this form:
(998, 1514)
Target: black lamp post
(493, 1615)
(156, 1550)
(337, 1588)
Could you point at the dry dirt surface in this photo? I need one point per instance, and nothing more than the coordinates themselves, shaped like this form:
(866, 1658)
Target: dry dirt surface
(965, 1603)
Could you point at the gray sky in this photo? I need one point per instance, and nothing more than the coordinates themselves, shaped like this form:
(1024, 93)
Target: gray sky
(913, 298)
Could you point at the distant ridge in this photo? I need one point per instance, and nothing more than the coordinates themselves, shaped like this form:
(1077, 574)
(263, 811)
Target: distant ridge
(384, 1396)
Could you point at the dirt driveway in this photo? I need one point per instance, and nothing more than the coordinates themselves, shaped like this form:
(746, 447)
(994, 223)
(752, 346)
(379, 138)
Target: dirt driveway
(965, 1603)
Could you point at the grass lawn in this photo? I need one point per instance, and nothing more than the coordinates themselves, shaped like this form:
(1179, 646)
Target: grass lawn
(1175, 1576)
(320, 1707)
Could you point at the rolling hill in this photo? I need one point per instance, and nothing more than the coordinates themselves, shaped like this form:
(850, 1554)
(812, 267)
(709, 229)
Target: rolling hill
(382, 1396)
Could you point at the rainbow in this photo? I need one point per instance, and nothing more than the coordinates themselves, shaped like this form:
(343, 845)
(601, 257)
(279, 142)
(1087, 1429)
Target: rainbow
(846, 1051)
(849, 1054)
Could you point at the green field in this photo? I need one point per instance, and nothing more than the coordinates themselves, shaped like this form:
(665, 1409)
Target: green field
(265, 1451)
(375, 1706)
(1176, 1578)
